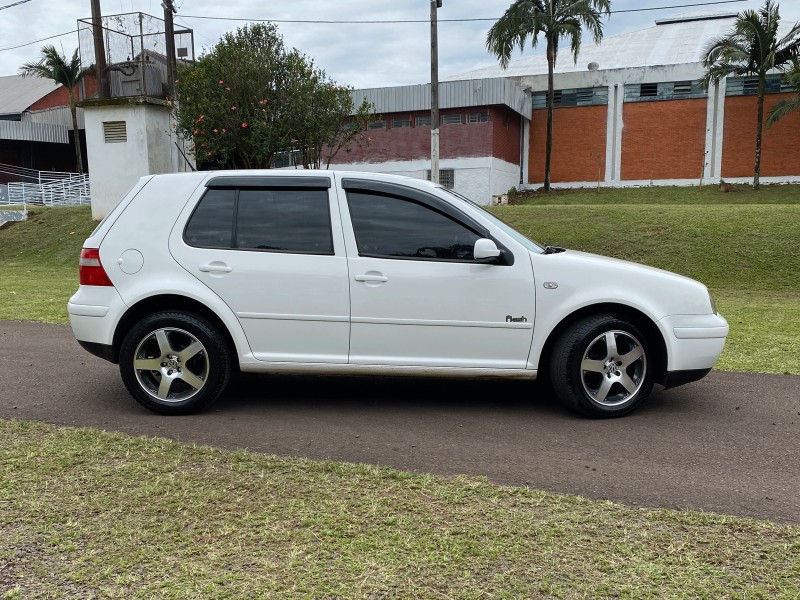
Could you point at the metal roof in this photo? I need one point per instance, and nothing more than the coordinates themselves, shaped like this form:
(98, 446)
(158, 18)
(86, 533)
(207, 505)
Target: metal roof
(452, 94)
(678, 40)
(18, 93)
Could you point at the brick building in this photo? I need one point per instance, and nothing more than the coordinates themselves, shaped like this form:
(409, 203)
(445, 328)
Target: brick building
(631, 111)
(481, 127)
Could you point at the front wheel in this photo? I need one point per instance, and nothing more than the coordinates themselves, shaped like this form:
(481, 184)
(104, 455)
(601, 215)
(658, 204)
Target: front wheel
(602, 366)
(174, 363)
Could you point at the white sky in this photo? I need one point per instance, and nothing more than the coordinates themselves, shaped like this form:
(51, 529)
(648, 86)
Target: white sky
(359, 55)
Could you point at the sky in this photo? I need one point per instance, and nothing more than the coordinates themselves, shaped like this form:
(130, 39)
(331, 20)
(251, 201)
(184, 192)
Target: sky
(355, 54)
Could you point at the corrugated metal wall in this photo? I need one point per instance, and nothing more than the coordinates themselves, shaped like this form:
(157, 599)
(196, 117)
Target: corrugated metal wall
(33, 132)
(452, 94)
(53, 116)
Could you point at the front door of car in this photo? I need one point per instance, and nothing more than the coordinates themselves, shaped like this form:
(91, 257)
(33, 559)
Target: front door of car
(268, 247)
(418, 297)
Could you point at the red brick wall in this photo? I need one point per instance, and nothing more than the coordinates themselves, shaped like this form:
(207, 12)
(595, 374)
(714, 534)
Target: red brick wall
(579, 144)
(663, 139)
(780, 145)
(491, 138)
(60, 96)
(506, 133)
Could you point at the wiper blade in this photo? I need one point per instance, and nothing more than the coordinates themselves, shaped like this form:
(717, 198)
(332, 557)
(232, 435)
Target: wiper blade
(553, 249)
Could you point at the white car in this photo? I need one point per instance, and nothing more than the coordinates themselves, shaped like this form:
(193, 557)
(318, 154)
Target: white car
(193, 276)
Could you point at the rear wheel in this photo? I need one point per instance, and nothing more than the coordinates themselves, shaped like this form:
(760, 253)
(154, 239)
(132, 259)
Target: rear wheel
(602, 366)
(174, 363)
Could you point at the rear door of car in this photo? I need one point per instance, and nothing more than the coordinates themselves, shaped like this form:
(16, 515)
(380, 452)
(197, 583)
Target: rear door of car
(272, 248)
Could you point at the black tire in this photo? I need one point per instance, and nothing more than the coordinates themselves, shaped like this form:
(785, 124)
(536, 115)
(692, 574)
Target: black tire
(617, 375)
(175, 363)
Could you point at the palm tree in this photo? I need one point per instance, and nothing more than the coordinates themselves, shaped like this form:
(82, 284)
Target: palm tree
(53, 65)
(555, 19)
(751, 48)
(788, 105)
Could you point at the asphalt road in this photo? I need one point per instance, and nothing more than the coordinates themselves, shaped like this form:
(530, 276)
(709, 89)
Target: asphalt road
(728, 443)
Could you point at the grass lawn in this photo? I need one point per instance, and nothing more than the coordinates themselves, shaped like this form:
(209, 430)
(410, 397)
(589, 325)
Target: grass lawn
(92, 514)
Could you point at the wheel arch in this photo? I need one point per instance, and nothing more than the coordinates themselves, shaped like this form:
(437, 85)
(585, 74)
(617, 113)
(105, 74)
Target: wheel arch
(167, 302)
(637, 317)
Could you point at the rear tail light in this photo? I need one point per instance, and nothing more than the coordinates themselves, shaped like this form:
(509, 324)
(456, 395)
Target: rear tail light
(91, 269)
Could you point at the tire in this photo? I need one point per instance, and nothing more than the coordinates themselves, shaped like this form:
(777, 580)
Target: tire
(602, 366)
(175, 363)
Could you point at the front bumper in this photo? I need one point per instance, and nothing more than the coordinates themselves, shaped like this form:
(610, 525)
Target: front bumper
(694, 343)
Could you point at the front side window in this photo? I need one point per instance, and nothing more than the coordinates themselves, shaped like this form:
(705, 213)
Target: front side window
(394, 227)
(291, 220)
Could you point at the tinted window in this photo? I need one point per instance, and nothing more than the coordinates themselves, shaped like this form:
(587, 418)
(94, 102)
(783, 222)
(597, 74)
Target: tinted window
(284, 220)
(393, 226)
(211, 224)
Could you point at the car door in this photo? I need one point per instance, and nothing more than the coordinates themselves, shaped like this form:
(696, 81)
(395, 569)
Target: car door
(272, 249)
(418, 297)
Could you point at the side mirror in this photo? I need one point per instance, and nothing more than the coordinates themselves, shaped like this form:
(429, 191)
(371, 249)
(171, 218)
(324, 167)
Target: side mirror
(486, 249)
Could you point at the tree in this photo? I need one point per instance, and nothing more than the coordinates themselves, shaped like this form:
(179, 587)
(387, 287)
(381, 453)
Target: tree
(53, 65)
(787, 105)
(249, 98)
(751, 48)
(554, 19)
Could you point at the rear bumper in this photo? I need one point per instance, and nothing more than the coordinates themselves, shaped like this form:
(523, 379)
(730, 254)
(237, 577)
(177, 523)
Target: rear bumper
(676, 378)
(104, 351)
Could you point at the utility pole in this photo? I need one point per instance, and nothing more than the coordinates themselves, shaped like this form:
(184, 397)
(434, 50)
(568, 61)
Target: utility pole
(99, 51)
(435, 4)
(169, 31)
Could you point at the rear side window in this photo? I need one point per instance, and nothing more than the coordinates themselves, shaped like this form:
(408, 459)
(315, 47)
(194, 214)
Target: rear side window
(211, 224)
(291, 220)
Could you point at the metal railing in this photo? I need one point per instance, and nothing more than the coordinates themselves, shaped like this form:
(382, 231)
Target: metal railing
(45, 188)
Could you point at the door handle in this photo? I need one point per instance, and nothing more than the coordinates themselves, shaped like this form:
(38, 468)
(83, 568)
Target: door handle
(370, 278)
(215, 267)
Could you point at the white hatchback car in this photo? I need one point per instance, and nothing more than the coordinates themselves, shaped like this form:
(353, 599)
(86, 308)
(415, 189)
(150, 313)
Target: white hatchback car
(192, 276)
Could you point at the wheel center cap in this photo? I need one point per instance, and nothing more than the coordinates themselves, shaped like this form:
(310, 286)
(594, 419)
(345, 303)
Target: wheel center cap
(173, 364)
(610, 367)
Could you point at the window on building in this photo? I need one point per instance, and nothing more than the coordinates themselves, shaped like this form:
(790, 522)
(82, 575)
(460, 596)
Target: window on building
(402, 122)
(664, 90)
(395, 227)
(423, 121)
(451, 119)
(377, 124)
(747, 86)
(447, 177)
(572, 97)
(648, 90)
(481, 117)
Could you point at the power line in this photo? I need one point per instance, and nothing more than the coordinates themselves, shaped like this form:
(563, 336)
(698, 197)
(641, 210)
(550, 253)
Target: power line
(469, 20)
(14, 4)
(369, 22)
(37, 41)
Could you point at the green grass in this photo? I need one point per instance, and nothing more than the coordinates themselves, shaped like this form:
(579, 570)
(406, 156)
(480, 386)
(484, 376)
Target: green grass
(707, 194)
(92, 514)
(39, 263)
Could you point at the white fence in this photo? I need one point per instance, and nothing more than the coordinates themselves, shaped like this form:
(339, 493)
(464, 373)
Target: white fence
(45, 188)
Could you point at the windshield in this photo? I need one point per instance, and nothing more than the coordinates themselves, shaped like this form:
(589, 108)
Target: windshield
(502, 225)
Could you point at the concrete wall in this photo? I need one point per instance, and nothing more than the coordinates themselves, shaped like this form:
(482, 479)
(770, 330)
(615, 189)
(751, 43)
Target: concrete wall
(150, 148)
(476, 178)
